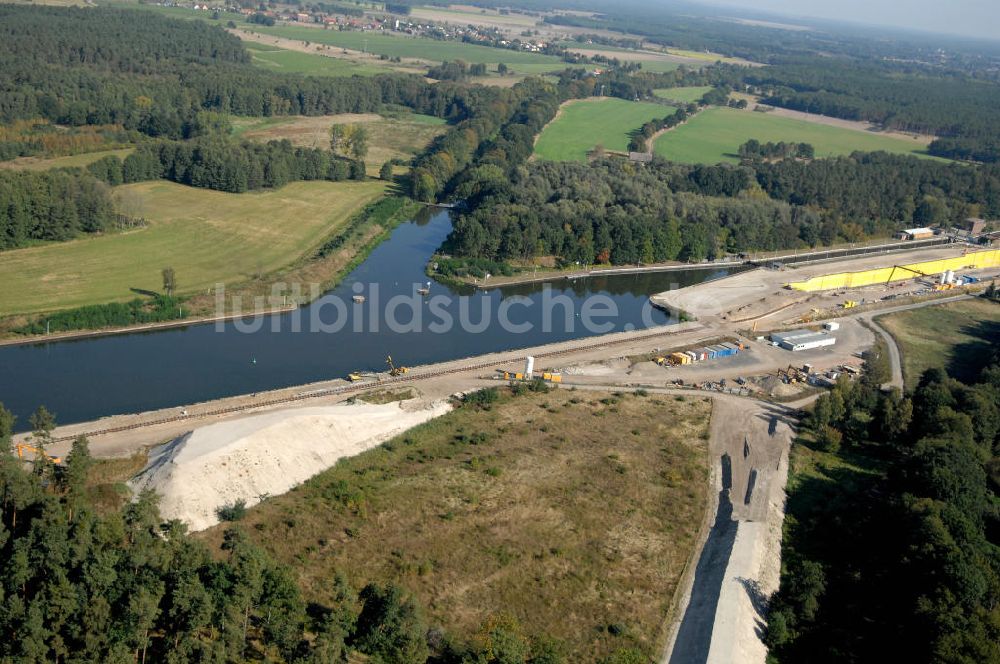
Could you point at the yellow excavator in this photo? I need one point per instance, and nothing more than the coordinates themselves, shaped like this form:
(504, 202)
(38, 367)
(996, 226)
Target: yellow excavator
(393, 369)
(23, 448)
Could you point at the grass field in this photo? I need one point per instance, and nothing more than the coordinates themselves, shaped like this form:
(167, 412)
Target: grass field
(206, 236)
(716, 134)
(684, 95)
(399, 137)
(76, 160)
(954, 336)
(431, 50)
(294, 62)
(583, 124)
(572, 512)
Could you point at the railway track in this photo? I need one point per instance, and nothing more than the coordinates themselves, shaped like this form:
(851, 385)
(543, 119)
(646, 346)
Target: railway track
(360, 387)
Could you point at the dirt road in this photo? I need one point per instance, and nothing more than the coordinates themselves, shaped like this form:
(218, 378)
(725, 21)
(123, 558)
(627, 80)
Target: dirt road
(739, 562)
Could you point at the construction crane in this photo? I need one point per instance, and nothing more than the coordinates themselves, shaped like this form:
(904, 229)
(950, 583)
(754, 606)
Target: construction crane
(393, 369)
(23, 448)
(892, 272)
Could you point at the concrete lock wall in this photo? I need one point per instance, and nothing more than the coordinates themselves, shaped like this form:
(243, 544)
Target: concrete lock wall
(976, 260)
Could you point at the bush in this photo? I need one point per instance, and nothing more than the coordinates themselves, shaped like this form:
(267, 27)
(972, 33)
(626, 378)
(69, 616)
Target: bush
(234, 512)
(484, 398)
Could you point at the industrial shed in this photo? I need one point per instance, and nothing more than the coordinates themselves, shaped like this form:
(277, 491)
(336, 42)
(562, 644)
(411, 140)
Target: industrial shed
(802, 339)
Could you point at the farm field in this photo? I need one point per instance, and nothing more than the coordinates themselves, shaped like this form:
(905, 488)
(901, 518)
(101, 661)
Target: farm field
(294, 62)
(956, 336)
(400, 46)
(683, 95)
(544, 502)
(715, 135)
(475, 16)
(583, 124)
(71, 161)
(206, 236)
(389, 137)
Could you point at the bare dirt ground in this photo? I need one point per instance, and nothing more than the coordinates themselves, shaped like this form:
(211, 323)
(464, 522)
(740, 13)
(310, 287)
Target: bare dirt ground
(739, 563)
(759, 295)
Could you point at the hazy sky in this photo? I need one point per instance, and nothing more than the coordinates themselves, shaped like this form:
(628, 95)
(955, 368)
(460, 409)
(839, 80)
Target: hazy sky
(979, 18)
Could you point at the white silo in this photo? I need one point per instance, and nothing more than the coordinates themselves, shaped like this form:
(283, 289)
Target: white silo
(529, 366)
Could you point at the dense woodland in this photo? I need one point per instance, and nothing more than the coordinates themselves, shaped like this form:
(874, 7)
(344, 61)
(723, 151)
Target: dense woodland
(895, 557)
(226, 165)
(155, 74)
(612, 211)
(51, 205)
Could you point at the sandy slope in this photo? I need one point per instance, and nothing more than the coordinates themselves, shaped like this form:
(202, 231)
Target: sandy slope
(268, 454)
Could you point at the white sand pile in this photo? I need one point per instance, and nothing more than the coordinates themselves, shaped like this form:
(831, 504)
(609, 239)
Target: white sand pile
(265, 455)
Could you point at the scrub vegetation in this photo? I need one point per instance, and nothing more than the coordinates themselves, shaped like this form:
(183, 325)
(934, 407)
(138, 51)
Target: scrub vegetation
(509, 511)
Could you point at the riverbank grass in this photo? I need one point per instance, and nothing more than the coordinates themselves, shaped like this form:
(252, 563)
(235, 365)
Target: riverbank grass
(573, 512)
(206, 236)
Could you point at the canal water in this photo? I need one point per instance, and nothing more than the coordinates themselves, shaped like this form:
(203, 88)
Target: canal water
(84, 379)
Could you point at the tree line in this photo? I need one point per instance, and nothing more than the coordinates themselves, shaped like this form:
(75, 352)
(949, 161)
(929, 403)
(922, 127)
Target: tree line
(893, 555)
(225, 164)
(87, 581)
(51, 206)
(611, 211)
(754, 150)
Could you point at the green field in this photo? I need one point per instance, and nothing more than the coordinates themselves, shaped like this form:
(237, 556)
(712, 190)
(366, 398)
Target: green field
(206, 236)
(72, 161)
(716, 134)
(583, 124)
(294, 62)
(684, 95)
(400, 46)
(956, 336)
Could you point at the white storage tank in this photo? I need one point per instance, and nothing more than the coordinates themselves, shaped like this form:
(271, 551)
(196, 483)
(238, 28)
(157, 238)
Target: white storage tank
(529, 366)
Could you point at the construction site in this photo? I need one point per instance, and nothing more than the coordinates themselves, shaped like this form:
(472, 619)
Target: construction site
(762, 343)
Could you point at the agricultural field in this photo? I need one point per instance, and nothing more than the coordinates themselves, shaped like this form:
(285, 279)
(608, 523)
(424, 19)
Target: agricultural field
(401, 46)
(295, 62)
(581, 125)
(475, 16)
(683, 95)
(399, 137)
(715, 135)
(571, 512)
(206, 236)
(71, 161)
(653, 61)
(957, 336)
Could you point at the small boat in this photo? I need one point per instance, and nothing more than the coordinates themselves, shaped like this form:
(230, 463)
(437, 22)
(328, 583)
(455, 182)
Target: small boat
(425, 290)
(358, 299)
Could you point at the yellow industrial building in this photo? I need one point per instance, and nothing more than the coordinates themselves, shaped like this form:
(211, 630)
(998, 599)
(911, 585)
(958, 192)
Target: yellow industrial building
(882, 275)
